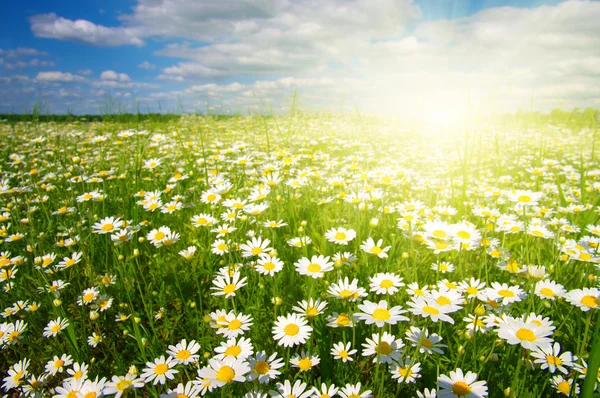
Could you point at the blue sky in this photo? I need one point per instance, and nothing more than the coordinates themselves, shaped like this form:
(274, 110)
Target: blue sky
(389, 56)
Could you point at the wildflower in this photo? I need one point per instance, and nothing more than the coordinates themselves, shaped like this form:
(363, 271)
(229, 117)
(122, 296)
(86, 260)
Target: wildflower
(427, 343)
(184, 353)
(107, 225)
(353, 391)
(286, 390)
(370, 247)
(54, 327)
(119, 385)
(222, 372)
(226, 285)
(340, 236)
(305, 361)
(291, 330)
(459, 385)
(315, 267)
(240, 349)
(57, 364)
(159, 371)
(529, 335)
(404, 371)
(264, 368)
(385, 283)
(385, 347)
(343, 352)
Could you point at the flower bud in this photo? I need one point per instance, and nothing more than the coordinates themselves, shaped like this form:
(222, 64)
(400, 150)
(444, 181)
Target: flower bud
(57, 302)
(94, 315)
(132, 370)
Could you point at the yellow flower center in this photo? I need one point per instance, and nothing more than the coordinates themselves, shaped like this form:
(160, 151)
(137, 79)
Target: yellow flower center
(405, 372)
(108, 227)
(463, 234)
(292, 329)
(506, 293)
(312, 311)
(376, 250)
(461, 388)
(384, 348)
(590, 301)
(313, 268)
(229, 288)
(222, 246)
(161, 369)
(90, 395)
(343, 354)
(183, 355)
(159, 235)
(233, 351)
(547, 292)
(56, 328)
(524, 199)
(78, 375)
(59, 364)
(226, 374)
(257, 250)
(340, 236)
(430, 310)
(304, 364)
(262, 367)
(443, 300)
(553, 360)
(386, 284)
(123, 384)
(525, 334)
(425, 342)
(234, 324)
(472, 291)
(440, 234)
(381, 314)
(564, 387)
(343, 320)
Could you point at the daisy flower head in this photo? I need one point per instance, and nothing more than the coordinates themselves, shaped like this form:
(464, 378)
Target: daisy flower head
(188, 390)
(549, 357)
(291, 330)
(549, 290)
(343, 352)
(107, 225)
(287, 390)
(325, 391)
(428, 308)
(232, 348)
(315, 267)
(264, 368)
(529, 334)
(340, 236)
(305, 361)
(94, 339)
(379, 314)
(346, 290)
(232, 325)
(188, 253)
(385, 283)
(55, 326)
(341, 320)
(184, 353)
(505, 294)
(369, 246)
(310, 308)
(563, 386)
(404, 371)
(226, 285)
(353, 391)
(255, 247)
(119, 385)
(427, 343)
(586, 299)
(268, 265)
(226, 371)
(203, 220)
(461, 385)
(385, 347)
(160, 370)
(57, 364)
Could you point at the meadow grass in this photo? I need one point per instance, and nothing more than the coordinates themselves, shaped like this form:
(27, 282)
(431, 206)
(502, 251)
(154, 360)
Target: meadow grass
(428, 253)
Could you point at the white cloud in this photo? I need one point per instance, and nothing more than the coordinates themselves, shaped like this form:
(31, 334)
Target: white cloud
(59, 77)
(22, 52)
(111, 75)
(82, 31)
(359, 52)
(146, 65)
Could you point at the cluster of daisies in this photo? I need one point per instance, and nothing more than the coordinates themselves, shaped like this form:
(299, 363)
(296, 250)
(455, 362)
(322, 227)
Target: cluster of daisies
(387, 267)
